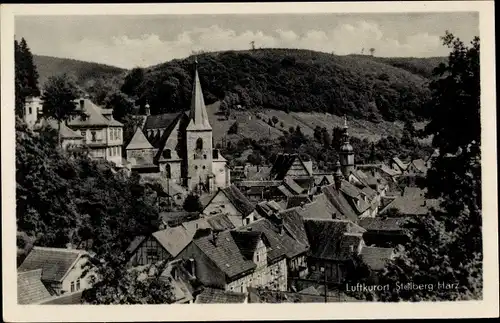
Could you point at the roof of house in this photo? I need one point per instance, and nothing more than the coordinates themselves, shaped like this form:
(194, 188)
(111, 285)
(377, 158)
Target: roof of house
(181, 288)
(139, 141)
(381, 224)
(54, 262)
(420, 165)
(329, 239)
(339, 202)
(237, 199)
(219, 296)
(30, 288)
(173, 239)
(297, 200)
(66, 132)
(224, 253)
(413, 202)
(266, 208)
(366, 177)
(390, 171)
(220, 222)
(94, 115)
(319, 208)
(309, 290)
(400, 163)
(281, 244)
(247, 241)
(285, 190)
(160, 121)
(293, 186)
(254, 183)
(65, 299)
(375, 257)
(260, 295)
(294, 225)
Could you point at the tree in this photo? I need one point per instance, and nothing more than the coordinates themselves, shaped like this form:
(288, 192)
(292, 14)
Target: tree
(26, 75)
(132, 81)
(133, 286)
(59, 98)
(275, 120)
(445, 246)
(192, 203)
(233, 129)
(372, 51)
(252, 43)
(121, 104)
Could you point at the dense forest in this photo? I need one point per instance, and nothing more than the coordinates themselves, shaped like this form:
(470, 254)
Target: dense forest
(287, 80)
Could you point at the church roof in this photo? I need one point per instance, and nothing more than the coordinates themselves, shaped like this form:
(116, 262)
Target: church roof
(198, 115)
(139, 141)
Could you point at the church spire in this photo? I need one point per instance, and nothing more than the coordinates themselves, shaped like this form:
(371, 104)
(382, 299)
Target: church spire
(198, 117)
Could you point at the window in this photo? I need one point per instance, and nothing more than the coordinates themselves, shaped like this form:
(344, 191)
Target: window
(109, 151)
(168, 171)
(204, 156)
(111, 134)
(204, 167)
(199, 144)
(258, 258)
(118, 132)
(93, 134)
(78, 284)
(195, 167)
(72, 287)
(30, 110)
(167, 154)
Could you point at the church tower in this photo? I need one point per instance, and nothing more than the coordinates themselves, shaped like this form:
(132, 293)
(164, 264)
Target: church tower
(346, 153)
(199, 141)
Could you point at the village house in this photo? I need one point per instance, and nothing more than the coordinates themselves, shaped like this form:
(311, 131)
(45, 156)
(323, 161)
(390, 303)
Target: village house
(411, 202)
(231, 201)
(70, 139)
(332, 245)
(33, 111)
(30, 289)
(61, 269)
(235, 259)
(383, 231)
(179, 146)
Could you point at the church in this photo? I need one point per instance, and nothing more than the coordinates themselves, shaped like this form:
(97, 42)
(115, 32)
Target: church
(180, 147)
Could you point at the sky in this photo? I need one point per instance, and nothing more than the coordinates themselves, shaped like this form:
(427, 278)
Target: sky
(141, 41)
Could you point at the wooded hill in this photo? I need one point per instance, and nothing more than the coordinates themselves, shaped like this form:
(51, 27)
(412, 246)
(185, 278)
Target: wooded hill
(291, 80)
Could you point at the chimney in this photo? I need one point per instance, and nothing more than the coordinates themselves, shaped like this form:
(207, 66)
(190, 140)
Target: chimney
(192, 267)
(334, 215)
(338, 176)
(302, 204)
(82, 104)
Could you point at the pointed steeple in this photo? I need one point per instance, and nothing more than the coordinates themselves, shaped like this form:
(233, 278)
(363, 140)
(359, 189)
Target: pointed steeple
(198, 117)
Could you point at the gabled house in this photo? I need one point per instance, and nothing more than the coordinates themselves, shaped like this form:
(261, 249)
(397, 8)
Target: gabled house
(383, 231)
(290, 165)
(417, 167)
(333, 243)
(61, 269)
(70, 139)
(235, 260)
(165, 244)
(231, 201)
(412, 202)
(399, 165)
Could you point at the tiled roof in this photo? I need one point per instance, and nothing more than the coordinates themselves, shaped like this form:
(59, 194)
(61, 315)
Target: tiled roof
(65, 299)
(366, 177)
(224, 253)
(287, 192)
(174, 240)
(266, 208)
(370, 192)
(139, 141)
(293, 186)
(413, 202)
(259, 295)
(219, 296)
(54, 262)
(160, 121)
(247, 241)
(318, 178)
(328, 239)
(94, 117)
(297, 200)
(349, 189)
(294, 224)
(251, 183)
(340, 203)
(376, 258)
(220, 222)
(194, 225)
(66, 132)
(30, 288)
(390, 171)
(319, 208)
(381, 224)
(239, 201)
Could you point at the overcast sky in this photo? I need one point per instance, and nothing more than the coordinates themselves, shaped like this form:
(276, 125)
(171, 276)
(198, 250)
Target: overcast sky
(129, 41)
